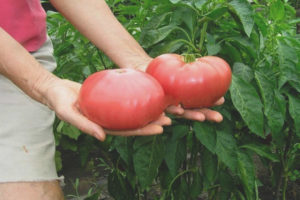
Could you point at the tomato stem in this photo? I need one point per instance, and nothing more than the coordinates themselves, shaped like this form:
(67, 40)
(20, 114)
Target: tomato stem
(188, 58)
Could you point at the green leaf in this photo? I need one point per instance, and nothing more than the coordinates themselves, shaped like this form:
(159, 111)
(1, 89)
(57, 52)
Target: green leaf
(212, 47)
(58, 161)
(206, 134)
(287, 52)
(277, 11)
(94, 196)
(147, 157)
(175, 154)
(197, 185)
(261, 23)
(245, 12)
(68, 130)
(226, 147)
(294, 110)
(169, 47)
(174, 1)
(234, 55)
(274, 103)
(217, 13)
(262, 150)
(227, 184)
(118, 187)
(199, 3)
(68, 144)
(151, 37)
(289, 73)
(121, 145)
(84, 149)
(246, 173)
(245, 44)
(176, 147)
(243, 71)
(246, 100)
(209, 165)
(188, 16)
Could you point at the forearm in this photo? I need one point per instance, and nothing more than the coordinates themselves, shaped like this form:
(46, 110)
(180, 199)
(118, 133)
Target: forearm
(94, 19)
(22, 69)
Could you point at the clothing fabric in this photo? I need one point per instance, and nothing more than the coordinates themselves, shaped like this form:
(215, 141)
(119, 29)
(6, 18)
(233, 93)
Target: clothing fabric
(25, 21)
(27, 145)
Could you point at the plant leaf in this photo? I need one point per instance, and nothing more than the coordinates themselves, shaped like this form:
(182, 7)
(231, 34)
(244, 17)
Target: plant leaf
(147, 157)
(121, 145)
(151, 37)
(262, 150)
(175, 155)
(243, 71)
(209, 164)
(277, 11)
(246, 100)
(245, 12)
(217, 13)
(206, 134)
(246, 173)
(212, 47)
(226, 147)
(274, 103)
(294, 109)
(199, 3)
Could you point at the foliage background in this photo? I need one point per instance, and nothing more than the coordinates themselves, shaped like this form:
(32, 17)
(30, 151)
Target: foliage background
(261, 127)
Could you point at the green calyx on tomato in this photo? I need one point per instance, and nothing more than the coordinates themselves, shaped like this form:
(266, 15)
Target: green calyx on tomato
(121, 99)
(195, 84)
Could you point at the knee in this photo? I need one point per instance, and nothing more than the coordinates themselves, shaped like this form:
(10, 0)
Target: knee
(45, 190)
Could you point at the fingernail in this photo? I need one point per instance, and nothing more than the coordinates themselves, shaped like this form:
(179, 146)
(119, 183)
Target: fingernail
(219, 118)
(100, 137)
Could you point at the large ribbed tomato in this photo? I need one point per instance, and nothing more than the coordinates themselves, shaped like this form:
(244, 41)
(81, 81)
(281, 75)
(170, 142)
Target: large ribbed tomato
(121, 99)
(196, 84)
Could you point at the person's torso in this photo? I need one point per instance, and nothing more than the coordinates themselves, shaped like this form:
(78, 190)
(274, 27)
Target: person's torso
(25, 21)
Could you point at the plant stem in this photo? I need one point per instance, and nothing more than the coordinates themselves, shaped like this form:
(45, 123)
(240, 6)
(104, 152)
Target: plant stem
(203, 35)
(284, 170)
(286, 151)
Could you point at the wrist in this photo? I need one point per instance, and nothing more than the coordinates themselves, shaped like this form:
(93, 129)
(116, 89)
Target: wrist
(41, 85)
(141, 63)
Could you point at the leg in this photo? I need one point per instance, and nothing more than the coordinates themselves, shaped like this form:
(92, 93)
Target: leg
(45, 190)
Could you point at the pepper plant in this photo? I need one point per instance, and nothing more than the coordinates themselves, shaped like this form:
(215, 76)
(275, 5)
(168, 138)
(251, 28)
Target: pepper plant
(192, 160)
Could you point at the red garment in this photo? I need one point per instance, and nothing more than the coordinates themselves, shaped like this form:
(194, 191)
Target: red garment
(24, 20)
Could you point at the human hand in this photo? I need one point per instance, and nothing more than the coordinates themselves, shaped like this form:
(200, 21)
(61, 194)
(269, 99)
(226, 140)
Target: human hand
(61, 96)
(199, 114)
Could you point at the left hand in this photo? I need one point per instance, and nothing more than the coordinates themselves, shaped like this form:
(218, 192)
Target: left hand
(198, 114)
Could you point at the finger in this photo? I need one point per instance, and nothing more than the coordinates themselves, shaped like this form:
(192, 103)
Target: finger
(163, 120)
(219, 102)
(194, 115)
(75, 118)
(151, 129)
(176, 110)
(211, 115)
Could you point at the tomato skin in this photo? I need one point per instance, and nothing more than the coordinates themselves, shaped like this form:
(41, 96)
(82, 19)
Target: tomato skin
(197, 84)
(121, 99)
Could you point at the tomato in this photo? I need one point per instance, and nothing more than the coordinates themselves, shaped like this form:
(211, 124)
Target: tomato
(197, 84)
(121, 99)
